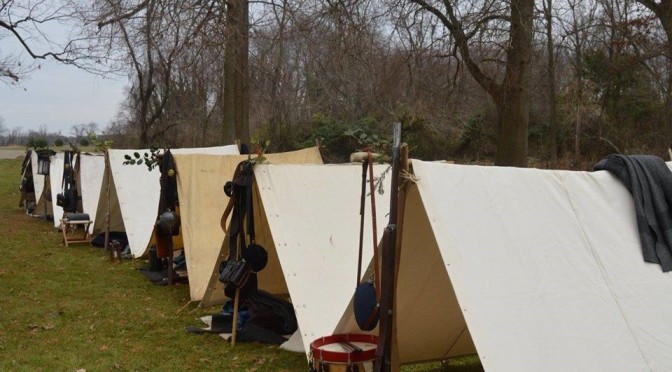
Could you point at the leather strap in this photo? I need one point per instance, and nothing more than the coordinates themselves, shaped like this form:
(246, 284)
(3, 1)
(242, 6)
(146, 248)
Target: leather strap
(374, 228)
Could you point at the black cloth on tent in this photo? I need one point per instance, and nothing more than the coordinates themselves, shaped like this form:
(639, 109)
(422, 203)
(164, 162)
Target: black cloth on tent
(262, 317)
(649, 180)
(168, 198)
(69, 194)
(27, 184)
(272, 313)
(26, 162)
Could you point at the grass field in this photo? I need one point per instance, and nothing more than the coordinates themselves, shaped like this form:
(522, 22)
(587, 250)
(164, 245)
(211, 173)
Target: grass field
(72, 309)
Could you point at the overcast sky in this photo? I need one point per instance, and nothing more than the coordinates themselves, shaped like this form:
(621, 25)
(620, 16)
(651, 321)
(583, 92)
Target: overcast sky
(60, 96)
(56, 95)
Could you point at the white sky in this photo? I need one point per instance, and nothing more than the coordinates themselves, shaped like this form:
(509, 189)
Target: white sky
(60, 96)
(56, 95)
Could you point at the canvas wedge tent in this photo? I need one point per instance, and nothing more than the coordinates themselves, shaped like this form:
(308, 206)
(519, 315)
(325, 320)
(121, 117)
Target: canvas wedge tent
(57, 171)
(55, 182)
(88, 178)
(89, 183)
(134, 196)
(308, 220)
(40, 183)
(532, 269)
(200, 181)
(27, 186)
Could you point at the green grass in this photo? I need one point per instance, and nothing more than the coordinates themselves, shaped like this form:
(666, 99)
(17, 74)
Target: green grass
(71, 308)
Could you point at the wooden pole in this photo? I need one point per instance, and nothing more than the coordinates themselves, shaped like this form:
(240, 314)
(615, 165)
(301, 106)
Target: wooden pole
(107, 197)
(171, 278)
(383, 360)
(395, 364)
(234, 324)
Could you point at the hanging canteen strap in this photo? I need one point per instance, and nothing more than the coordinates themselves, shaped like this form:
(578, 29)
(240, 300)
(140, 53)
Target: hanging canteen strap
(367, 294)
(250, 213)
(362, 212)
(374, 228)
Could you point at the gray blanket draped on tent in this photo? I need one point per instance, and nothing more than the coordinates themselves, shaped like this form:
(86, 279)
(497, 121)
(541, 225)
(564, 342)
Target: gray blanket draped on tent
(650, 182)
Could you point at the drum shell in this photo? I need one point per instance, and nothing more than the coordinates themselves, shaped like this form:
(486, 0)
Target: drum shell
(322, 360)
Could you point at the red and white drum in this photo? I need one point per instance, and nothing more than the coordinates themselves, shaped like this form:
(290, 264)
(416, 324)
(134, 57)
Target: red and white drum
(348, 352)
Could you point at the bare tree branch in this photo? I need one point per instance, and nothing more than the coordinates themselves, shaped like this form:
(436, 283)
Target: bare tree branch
(451, 22)
(111, 18)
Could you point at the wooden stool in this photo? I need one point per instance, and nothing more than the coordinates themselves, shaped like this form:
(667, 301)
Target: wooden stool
(70, 223)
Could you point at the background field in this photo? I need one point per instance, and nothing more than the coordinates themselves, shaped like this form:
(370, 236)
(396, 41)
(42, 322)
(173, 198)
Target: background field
(71, 308)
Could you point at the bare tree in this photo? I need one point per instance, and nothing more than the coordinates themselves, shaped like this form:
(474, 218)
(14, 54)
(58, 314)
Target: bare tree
(25, 22)
(42, 131)
(511, 93)
(14, 136)
(78, 130)
(153, 34)
(91, 128)
(577, 26)
(663, 11)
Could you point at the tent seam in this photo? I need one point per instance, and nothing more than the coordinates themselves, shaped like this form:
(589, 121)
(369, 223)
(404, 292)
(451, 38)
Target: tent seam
(601, 266)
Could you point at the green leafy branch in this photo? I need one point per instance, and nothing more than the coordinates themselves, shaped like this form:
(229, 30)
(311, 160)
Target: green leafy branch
(150, 159)
(370, 141)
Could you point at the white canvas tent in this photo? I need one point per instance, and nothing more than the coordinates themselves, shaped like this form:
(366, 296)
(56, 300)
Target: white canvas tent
(535, 270)
(532, 269)
(56, 183)
(38, 179)
(308, 219)
(91, 170)
(134, 196)
(200, 181)
(89, 181)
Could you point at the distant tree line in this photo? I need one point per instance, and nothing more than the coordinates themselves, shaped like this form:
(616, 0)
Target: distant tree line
(557, 83)
(16, 136)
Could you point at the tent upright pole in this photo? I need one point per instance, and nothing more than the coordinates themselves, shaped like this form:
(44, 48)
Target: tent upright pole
(395, 363)
(383, 362)
(107, 197)
(234, 323)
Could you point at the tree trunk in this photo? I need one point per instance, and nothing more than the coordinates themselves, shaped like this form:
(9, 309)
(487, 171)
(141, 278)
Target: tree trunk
(512, 97)
(236, 91)
(553, 120)
(242, 74)
(577, 124)
(512, 128)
